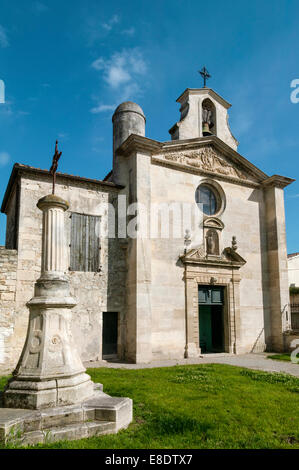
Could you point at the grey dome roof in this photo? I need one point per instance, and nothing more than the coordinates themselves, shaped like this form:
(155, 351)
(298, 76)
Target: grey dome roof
(129, 106)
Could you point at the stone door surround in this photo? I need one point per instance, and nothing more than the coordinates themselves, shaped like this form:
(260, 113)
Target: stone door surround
(217, 271)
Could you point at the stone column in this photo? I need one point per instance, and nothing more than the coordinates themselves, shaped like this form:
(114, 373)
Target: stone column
(50, 372)
(53, 248)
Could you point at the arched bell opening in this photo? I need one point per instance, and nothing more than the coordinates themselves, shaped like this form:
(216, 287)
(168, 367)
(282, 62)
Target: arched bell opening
(208, 113)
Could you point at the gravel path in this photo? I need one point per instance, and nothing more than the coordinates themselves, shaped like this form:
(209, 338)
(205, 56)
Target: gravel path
(251, 361)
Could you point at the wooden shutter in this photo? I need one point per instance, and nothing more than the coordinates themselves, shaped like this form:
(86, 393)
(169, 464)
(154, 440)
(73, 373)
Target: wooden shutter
(85, 243)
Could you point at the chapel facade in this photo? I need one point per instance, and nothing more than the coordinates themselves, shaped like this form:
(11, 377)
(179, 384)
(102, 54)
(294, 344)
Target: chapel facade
(216, 281)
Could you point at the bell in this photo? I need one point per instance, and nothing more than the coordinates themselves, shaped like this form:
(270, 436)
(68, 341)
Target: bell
(206, 129)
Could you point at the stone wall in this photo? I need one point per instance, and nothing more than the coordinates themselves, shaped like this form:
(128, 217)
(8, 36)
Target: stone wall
(8, 273)
(293, 269)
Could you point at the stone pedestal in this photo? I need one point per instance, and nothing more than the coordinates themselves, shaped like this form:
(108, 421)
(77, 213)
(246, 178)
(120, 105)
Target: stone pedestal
(50, 372)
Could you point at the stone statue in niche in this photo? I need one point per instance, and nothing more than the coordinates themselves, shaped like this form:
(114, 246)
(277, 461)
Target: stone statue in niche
(212, 242)
(207, 117)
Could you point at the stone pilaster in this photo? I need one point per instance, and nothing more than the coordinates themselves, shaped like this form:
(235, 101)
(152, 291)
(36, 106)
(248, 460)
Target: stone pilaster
(235, 315)
(139, 312)
(192, 331)
(50, 372)
(277, 260)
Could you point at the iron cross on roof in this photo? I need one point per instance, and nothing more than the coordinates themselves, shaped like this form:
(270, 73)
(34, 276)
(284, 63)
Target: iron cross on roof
(205, 74)
(54, 166)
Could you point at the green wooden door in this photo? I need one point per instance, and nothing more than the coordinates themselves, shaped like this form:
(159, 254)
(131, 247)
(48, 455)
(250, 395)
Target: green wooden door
(205, 328)
(211, 327)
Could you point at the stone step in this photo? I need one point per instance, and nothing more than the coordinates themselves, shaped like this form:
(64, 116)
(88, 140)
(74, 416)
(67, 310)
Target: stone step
(97, 415)
(68, 432)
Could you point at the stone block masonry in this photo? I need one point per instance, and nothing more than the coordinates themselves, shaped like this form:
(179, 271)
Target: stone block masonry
(8, 276)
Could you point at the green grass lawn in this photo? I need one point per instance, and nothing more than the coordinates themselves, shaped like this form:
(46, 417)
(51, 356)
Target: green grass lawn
(202, 406)
(280, 357)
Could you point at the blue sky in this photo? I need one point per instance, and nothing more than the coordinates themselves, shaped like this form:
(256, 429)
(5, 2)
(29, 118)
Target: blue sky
(67, 64)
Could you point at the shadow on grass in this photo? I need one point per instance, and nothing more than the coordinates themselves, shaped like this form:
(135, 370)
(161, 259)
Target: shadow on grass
(167, 424)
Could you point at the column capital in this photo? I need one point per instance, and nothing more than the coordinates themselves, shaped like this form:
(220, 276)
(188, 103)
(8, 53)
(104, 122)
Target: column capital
(51, 201)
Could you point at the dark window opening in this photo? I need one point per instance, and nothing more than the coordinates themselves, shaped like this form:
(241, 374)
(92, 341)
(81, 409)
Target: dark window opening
(110, 333)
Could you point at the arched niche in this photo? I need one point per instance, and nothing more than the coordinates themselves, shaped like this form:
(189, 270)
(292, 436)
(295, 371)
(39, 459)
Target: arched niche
(208, 118)
(212, 235)
(212, 242)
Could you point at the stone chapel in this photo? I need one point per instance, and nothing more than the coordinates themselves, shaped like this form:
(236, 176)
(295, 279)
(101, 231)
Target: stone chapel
(220, 286)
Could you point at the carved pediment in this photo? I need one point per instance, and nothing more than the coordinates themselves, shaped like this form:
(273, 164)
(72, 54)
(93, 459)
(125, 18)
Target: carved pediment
(208, 159)
(197, 253)
(213, 222)
(229, 257)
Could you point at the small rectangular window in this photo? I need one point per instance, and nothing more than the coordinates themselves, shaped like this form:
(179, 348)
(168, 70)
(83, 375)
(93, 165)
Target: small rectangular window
(85, 243)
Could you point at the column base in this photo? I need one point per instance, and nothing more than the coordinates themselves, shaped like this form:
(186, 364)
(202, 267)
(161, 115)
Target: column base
(191, 350)
(32, 395)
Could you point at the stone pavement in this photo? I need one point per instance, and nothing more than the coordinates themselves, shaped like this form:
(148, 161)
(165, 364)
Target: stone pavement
(250, 361)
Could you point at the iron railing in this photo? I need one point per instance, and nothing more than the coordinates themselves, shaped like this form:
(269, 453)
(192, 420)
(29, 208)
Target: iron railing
(295, 316)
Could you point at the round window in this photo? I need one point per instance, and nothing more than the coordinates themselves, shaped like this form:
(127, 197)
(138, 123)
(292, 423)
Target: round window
(206, 199)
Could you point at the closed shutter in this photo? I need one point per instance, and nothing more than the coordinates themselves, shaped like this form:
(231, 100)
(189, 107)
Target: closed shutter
(85, 243)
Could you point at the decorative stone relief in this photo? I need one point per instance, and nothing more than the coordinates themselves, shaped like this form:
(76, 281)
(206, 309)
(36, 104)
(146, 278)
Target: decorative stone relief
(206, 158)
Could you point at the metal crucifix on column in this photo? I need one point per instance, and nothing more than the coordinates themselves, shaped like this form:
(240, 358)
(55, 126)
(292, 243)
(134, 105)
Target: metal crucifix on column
(54, 166)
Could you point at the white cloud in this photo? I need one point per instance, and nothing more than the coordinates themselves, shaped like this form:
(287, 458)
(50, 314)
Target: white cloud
(113, 21)
(123, 73)
(117, 75)
(293, 196)
(3, 38)
(123, 67)
(129, 31)
(98, 64)
(4, 158)
(102, 108)
(95, 30)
